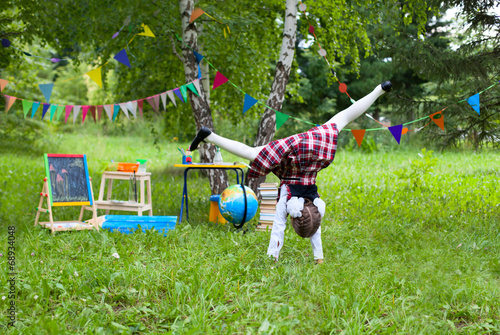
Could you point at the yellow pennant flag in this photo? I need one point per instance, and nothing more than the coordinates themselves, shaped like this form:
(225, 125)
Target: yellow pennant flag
(147, 32)
(95, 75)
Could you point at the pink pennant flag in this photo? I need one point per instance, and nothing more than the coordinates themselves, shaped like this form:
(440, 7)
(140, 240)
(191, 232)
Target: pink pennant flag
(85, 110)
(3, 83)
(220, 79)
(9, 101)
(152, 102)
(68, 109)
(99, 112)
(157, 101)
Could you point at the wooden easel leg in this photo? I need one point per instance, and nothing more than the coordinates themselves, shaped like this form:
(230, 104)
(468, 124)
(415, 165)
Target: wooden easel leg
(110, 187)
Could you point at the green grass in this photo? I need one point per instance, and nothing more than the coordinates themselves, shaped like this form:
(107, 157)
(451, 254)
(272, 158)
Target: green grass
(398, 259)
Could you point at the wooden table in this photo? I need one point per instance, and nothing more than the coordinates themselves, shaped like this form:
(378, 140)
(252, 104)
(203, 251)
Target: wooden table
(144, 179)
(235, 167)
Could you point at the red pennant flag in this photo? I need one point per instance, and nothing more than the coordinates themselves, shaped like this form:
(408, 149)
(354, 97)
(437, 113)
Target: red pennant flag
(92, 112)
(358, 135)
(139, 104)
(220, 79)
(151, 101)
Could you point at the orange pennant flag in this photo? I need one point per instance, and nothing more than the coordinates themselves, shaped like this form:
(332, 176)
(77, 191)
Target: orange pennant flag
(438, 118)
(3, 83)
(9, 101)
(358, 135)
(197, 12)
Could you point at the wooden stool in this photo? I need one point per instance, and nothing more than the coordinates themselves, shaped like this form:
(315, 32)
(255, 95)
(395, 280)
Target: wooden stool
(139, 207)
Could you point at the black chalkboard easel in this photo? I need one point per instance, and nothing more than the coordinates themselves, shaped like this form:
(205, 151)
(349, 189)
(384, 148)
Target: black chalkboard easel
(67, 183)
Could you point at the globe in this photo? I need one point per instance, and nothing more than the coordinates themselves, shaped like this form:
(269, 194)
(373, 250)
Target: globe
(232, 204)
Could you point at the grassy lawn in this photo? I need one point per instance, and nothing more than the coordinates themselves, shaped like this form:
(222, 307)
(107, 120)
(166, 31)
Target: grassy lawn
(399, 258)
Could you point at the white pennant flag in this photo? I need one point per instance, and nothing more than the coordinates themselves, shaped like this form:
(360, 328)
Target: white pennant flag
(76, 110)
(171, 96)
(132, 107)
(197, 85)
(107, 108)
(123, 106)
(163, 97)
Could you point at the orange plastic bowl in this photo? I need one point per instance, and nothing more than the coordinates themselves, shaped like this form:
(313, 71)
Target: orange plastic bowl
(128, 167)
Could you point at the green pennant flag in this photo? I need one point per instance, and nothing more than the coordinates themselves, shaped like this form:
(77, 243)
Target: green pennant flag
(59, 112)
(53, 109)
(184, 92)
(280, 119)
(27, 106)
(192, 88)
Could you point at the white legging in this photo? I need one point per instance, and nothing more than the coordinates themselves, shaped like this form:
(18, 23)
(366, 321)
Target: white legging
(341, 119)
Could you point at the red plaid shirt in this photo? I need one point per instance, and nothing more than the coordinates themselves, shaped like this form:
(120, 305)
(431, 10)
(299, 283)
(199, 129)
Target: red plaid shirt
(297, 159)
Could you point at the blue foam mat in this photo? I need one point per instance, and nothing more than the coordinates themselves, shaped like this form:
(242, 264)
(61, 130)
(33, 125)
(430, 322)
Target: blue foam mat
(127, 224)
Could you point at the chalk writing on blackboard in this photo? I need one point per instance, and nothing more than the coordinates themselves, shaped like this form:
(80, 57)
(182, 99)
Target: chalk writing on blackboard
(68, 180)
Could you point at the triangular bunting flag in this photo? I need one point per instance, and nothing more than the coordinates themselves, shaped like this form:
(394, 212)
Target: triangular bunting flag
(60, 109)
(95, 75)
(27, 106)
(3, 83)
(85, 110)
(123, 106)
(358, 135)
(116, 109)
(34, 108)
(157, 101)
(99, 112)
(184, 92)
(199, 72)
(438, 118)
(46, 90)
(140, 104)
(9, 101)
(163, 97)
(68, 109)
(53, 109)
(196, 13)
(107, 108)
(147, 32)
(76, 111)
(45, 109)
(220, 79)
(280, 119)
(192, 88)
(396, 131)
(92, 112)
(178, 93)
(248, 103)
(172, 98)
(123, 58)
(198, 56)
(474, 102)
(151, 101)
(196, 83)
(132, 107)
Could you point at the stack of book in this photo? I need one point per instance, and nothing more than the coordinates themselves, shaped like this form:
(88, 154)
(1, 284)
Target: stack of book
(269, 193)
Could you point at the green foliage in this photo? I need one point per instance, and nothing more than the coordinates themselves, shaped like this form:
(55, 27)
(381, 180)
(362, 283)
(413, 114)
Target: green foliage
(415, 174)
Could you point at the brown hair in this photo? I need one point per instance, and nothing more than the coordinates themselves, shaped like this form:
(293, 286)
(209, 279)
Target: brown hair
(309, 222)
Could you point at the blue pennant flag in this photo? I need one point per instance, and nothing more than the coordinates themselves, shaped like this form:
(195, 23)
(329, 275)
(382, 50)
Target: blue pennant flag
(122, 57)
(45, 108)
(199, 72)
(115, 111)
(198, 56)
(474, 102)
(46, 90)
(34, 108)
(248, 103)
(396, 131)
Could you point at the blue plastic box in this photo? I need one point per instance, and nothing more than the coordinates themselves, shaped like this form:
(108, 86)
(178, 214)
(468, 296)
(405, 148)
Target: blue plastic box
(128, 224)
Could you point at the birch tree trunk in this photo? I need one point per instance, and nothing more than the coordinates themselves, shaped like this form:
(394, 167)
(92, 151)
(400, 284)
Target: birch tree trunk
(267, 125)
(199, 105)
